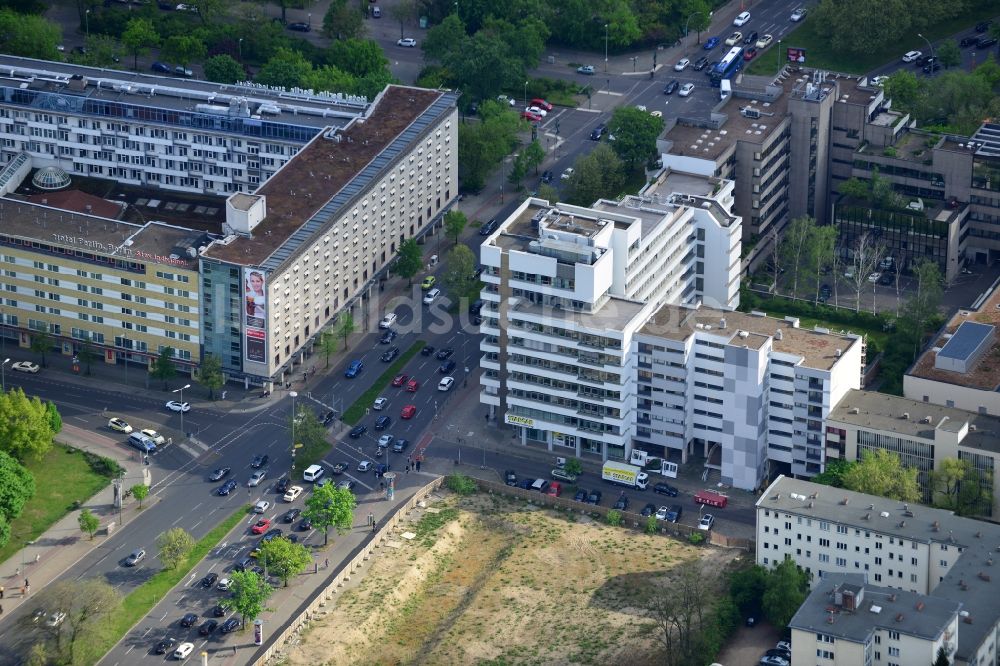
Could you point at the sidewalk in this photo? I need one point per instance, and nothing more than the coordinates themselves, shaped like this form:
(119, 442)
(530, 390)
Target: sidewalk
(63, 544)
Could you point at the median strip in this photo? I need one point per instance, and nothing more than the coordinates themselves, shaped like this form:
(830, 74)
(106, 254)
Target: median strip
(356, 412)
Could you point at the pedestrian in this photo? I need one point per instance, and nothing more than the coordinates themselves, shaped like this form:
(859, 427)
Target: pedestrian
(1, 591)
(234, 650)
(26, 583)
(1, 609)
(373, 526)
(326, 563)
(418, 465)
(38, 556)
(407, 469)
(23, 593)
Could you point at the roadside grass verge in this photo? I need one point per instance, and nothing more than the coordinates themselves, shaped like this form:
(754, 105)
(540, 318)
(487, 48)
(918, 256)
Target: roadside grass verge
(79, 480)
(141, 600)
(355, 412)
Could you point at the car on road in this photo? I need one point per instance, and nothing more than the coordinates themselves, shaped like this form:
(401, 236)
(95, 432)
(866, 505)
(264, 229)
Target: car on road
(567, 173)
(259, 461)
(711, 67)
(621, 504)
(798, 14)
(184, 650)
(932, 66)
(510, 477)
(382, 422)
(262, 525)
(26, 366)
(357, 431)
(165, 646)
(431, 296)
(825, 290)
(711, 43)
(765, 41)
(340, 468)
(581, 495)
(911, 56)
(400, 445)
(390, 355)
(538, 111)
(986, 42)
(585, 69)
(209, 580)
(661, 513)
(969, 40)
(408, 412)
(671, 87)
(365, 466)
(157, 438)
(354, 369)
(686, 89)
(706, 522)
(160, 68)
(769, 660)
(751, 38)
(256, 478)
(305, 524)
(188, 620)
(346, 483)
(380, 403)
(741, 19)
(750, 53)
(446, 383)
(886, 279)
(648, 510)
(408, 42)
(444, 354)
(284, 483)
(665, 489)
(427, 350)
(227, 487)
(136, 556)
(261, 506)
(489, 227)
(983, 26)
(595, 135)
(562, 475)
(175, 406)
(594, 497)
(412, 386)
(682, 64)
(541, 103)
(547, 177)
(207, 627)
(878, 80)
(734, 38)
(292, 494)
(700, 63)
(388, 321)
(385, 440)
(387, 337)
(119, 425)
(428, 282)
(291, 515)
(400, 380)
(447, 367)
(531, 116)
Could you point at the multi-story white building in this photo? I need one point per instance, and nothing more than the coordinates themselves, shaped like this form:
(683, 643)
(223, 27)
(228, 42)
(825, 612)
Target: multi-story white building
(846, 621)
(911, 547)
(742, 390)
(566, 287)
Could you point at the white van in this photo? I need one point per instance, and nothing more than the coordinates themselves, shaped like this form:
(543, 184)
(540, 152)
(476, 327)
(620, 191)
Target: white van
(388, 320)
(313, 472)
(141, 442)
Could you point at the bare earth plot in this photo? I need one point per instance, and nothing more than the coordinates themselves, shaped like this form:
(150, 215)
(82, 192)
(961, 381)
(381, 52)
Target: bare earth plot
(492, 581)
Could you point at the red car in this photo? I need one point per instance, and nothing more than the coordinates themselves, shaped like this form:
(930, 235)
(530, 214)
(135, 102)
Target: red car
(541, 104)
(412, 385)
(555, 489)
(399, 380)
(750, 53)
(533, 117)
(262, 526)
(409, 412)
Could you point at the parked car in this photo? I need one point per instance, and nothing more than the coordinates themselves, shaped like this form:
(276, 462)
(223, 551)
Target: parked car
(562, 475)
(648, 510)
(911, 56)
(665, 489)
(408, 42)
(594, 497)
(232, 624)
(184, 650)
(208, 581)
(585, 69)
(706, 522)
(165, 646)
(986, 42)
(510, 478)
(489, 227)
(207, 627)
(26, 366)
(160, 68)
(983, 26)
(291, 515)
(136, 556)
(621, 504)
(581, 495)
(188, 620)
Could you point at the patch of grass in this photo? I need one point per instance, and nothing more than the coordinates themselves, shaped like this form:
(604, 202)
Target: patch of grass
(139, 602)
(79, 480)
(811, 36)
(356, 412)
(431, 522)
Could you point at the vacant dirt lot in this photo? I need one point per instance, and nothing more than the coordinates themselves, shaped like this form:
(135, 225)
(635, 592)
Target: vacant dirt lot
(493, 581)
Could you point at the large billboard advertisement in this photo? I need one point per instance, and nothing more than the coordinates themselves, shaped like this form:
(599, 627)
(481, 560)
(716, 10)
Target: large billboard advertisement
(254, 316)
(796, 54)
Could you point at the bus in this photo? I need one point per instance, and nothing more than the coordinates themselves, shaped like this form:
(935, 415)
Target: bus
(728, 66)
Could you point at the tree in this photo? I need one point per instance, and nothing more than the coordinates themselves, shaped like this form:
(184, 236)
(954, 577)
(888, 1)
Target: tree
(283, 558)
(162, 367)
(87, 354)
(53, 417)
(358, 57)
(183, 49)
(330, 506)
(955, 485)
(635, 133)
(942, 658)
(795, 247)
(855, 188)
(925, 302)
(41, 343)
(482, 145)
(597, 175)
(747, 587)
(88, 523)
(17, 486)
(292, 4)
(38, 655)
(699, 16)
(174, 545)
(88, 605)
(787, 587)
(286, 68)
(410, 260)
(311, 434)
(868, 252)
(138, 38)
(343, 20)
(455, 222)
(140, 491)
(248, 591)
(327, 345)
(223, 68)
(881, 473)
(548, 193)
(29, 35)
(444, 38)
(574, 466)
(345, 326)
(459, 275)
(949, 53)
(101, 51)
(833, 473)
(25, 426)
(404, 11)
(210, 374)
(483, 65)
(822, 242)
(533, 155)
(678, 611)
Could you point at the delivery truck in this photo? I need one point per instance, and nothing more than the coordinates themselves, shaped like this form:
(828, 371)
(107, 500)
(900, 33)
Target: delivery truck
(624, 474)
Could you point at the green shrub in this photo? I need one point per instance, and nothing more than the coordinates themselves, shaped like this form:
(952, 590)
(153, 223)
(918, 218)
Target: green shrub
(104, 466)
(652, 525)
(461, 484)
(696, 538)
(614, 518)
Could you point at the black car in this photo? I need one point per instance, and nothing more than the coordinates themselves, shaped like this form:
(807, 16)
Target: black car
(298, 26)
(778, 652)
(594, 498)
(932, 67)
(825, 290)
(446, 367)
(751, 38)
(971, 40)
(390, 356)
(598, 132)
(986, 42)
(621, 504)
(209, 580)
(160, 68)
(244, 564)
(259, 570)
(701, 63)
(188, 620)
(526, 484)
(229, 625)
(219, 473)
(510, 478)
(305, 524)
(427, 350)
(388, 336)
(711, 66)
(983, 26)
(329, 417)
(488, 228)
(476, 305)
(648, 510)
(357, 431)
(547, 177)
(227, 487)
(259, 461)
(671, 87)
(284, 483)
(581, 495)
(291, 515)
(340, 468)
(665, 489)
(444, 354)
(207, 627)
(923, 60)
(218, 610)
(165, 646)
(382, 422)
(886, 279)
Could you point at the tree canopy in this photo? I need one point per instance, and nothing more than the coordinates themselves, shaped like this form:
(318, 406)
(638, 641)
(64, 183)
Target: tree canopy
(29, 35)
(284, 559)
(635, 133)
(17, 486)
(26, 425)
(248, 592)
(174, 545)
(598, 175)
(787, 587)
(330, 506)
(881, 473)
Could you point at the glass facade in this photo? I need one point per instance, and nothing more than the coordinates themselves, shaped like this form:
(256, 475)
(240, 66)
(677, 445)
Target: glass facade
(903, 233)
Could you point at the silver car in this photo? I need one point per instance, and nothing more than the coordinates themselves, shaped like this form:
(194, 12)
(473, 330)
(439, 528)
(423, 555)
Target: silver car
(256, 478)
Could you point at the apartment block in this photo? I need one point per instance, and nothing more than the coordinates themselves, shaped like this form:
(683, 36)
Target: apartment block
(747, 392)
(921, 434)
(847, 621)
(567, 287)
(908, 547)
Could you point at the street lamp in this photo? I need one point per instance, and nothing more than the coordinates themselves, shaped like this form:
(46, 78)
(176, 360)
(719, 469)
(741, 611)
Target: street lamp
(526, 94)
(605, 48)
(778, 52)
(181, 391)
(86, 21)
(294, 395)
(931, 47)
(688, 22)
(3, 373)
(240, 46)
